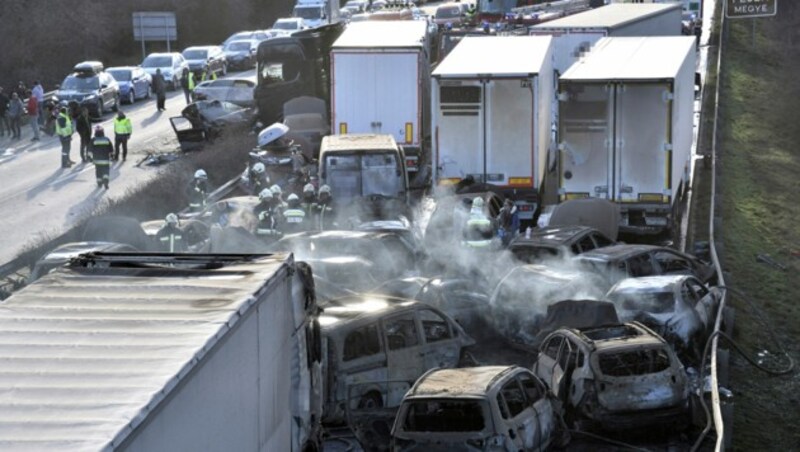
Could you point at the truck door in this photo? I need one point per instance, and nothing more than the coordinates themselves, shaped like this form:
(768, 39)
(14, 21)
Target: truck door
(459, 131)
(509, 150)
(396, 96)
(586, 138)
(354, 79)
(643, 148)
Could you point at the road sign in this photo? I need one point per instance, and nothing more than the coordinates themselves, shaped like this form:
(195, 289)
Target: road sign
(155, 26)
(743, 9)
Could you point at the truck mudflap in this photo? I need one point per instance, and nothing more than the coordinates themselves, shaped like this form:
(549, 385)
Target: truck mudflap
(646, 219)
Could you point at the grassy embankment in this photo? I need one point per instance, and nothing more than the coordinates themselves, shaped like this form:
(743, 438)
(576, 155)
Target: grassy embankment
(760, 183)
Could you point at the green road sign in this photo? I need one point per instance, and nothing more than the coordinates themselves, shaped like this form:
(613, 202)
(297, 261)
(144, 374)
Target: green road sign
(742, 9)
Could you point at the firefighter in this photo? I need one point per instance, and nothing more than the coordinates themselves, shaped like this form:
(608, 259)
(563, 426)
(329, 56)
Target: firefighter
(258, 178)
(277, 193)
(479, 230)
(170, 236)
(266, 214)
(309, 201)
(198, 191)
(64, 132)
(324, 213)
(100, 153)
(294, 217)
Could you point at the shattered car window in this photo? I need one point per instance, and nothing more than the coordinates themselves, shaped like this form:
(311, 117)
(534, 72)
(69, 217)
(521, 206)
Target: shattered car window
(633, 362)
(444, 416)
(401, 332)
(656, 302)
(533, 391)
(362, 342)
(434, 326)
(551, 349)
(514, 398)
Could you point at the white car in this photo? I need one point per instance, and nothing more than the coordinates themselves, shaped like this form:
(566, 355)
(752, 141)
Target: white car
(171, 65)
(237, 91)
(289, 25)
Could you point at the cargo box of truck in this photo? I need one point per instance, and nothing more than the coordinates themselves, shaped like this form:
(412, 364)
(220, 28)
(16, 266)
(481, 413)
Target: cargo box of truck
(380, 82)
(574, 36)
(148, 352)
(491, 104)
(625, 127)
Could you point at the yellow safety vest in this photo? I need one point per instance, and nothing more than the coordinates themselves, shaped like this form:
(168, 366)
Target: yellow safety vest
(294, 216)
(190, 84)
(67, 129)
(123, 126)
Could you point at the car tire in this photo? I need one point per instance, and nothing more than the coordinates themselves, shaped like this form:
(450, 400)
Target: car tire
(115, 107)
(224, 69)
(101, 110)
(370, 401)
(131, 96)
(149, 92)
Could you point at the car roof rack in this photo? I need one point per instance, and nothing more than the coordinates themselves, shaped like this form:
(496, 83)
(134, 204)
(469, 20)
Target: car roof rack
(89, 67)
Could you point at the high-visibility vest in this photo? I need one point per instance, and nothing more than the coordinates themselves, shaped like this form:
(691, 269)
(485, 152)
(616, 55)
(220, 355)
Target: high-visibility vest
(478, 226)
(172, 240)
(67, 129)
(101, 158)
(191, 81)
(294, 216)
(123, 126)
(205, 76)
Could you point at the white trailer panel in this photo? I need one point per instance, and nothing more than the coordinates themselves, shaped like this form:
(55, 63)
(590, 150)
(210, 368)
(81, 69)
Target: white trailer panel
(159, 354)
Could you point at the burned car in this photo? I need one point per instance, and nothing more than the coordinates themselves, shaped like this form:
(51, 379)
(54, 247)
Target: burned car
(556, 241)
(678, 307)
(622, 261)
(206, 120)
(347, 272)
(520, 301)
(477, 408)
(369, 340)
(615, 377)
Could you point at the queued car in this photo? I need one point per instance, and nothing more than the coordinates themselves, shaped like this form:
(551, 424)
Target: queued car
(289, 25)
(206, 58)
(615, 377)
(238, 91)
(61, 255)
(621, 261)
(678, 307)
(134, 83)
(449, 13)
(241, 54)
(256, 35)
(476, 408)
(373, 339)
(171, 65)
(90, 86)
(556, 241)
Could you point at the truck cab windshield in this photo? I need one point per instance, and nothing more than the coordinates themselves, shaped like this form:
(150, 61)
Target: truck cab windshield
(308, 12)
(364, 174)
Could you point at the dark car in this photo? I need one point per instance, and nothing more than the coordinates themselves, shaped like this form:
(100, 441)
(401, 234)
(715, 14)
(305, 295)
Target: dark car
(241, 54)
(557, 241)
(621, 261)
(206, 58)
(134, 83)
(90, 86)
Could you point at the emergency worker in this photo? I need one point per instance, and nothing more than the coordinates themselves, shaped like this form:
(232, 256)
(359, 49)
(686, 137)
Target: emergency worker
(170, 236)
(479, 230)
(324, 211)
(507, 222)
(198, 191)
(277, 193)
(64, 130)
(266, 214)
(294, 217)
(309, 201)
(100, 153)
(187, 84)
(258, 178)
(123, 128)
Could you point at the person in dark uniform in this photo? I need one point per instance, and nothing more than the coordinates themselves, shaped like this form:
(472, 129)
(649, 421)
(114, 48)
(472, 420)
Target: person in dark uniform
(170, 236)
(101, 152)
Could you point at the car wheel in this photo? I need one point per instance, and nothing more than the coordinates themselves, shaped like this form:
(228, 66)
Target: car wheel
(131, 96)
(225, 69)
(100, 108)
(116, 104)
(370, 401)
(149, 92)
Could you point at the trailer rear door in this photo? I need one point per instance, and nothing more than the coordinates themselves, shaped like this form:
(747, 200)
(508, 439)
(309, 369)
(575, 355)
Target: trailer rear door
(509, 132)
(642, 166)
(585, 163)
(459, 131)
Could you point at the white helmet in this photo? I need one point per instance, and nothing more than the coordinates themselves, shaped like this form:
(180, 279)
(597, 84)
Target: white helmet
(308, 188)
(477, 202)
(265, 194)
(172, 219)
(200, 174)
(276, 189)
(259, 168)
(293, 197)
(325, 189)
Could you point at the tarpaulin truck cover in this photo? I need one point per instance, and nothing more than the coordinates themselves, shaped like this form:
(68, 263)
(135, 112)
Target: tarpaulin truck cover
(155, 352)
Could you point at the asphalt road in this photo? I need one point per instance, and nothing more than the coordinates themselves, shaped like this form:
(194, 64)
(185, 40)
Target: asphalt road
(40, 199)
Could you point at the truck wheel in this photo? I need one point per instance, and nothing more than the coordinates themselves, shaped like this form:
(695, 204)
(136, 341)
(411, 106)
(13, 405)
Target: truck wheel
(370, 401)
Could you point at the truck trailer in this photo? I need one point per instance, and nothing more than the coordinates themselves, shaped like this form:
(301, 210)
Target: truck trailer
(380, 83)
(625, 128)
(491, 107)
(151, 352)
(575, 35)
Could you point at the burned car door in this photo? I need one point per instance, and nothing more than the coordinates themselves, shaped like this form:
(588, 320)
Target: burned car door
(672, 263)
(546, 366)
(403, 348)
(441, 348)
(706, 300)
(520, 423)
(545, 416)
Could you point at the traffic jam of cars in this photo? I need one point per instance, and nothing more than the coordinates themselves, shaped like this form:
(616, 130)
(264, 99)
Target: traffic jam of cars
(452, 315)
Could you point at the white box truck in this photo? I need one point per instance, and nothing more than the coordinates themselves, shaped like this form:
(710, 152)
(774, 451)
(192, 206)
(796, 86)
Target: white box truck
(380, 83)
(162, 353)
(625, 127)
(575, 35)
(491, 107)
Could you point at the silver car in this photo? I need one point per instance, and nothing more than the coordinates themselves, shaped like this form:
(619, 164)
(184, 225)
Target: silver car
(171, 65)
(238, 91)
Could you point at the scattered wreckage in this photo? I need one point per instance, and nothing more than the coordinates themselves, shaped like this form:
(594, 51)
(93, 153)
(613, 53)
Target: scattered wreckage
(206, 120)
